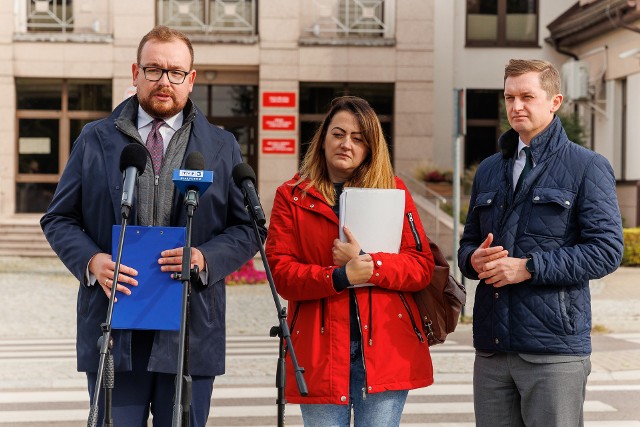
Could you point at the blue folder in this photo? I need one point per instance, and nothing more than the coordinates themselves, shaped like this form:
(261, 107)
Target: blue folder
(156, 302)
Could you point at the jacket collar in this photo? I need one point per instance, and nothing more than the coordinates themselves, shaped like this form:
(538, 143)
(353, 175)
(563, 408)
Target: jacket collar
(544, 144)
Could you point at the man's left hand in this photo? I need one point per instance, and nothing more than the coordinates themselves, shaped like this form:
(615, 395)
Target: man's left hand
(171, 260)
(505, 271)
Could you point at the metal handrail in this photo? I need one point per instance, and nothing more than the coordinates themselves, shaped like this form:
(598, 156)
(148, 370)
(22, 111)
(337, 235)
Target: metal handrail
(438, 198)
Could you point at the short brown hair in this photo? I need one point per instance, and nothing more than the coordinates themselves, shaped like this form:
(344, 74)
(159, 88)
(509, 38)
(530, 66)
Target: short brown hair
(374, 172)
(547, 73)
(165, 34)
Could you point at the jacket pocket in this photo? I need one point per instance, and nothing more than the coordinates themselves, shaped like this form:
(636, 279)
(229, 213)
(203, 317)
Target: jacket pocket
(484, 209)
(550, 210)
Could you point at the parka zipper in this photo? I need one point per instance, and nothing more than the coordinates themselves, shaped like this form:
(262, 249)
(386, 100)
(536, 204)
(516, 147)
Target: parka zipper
(370, 317)
(414, 231)
(156, 194)
(416, 237)
(322, 317)
(413, 322)
(364, 365)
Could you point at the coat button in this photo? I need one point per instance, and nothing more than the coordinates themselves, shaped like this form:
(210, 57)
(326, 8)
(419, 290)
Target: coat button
(343, 398)
(536, 198)
(379, 262)
(496, 295)
(399, 315)
(497, 341)
(377, 274)
(488, 200)
(366, 327)
(369, 388)
(295, 199)
(568, 203)
(312, 206)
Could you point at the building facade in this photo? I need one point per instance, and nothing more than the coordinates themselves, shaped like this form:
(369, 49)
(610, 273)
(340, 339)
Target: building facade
(601, 41)
(266, 71)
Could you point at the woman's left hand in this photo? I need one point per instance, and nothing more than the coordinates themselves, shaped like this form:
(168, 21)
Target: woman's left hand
(345, 251)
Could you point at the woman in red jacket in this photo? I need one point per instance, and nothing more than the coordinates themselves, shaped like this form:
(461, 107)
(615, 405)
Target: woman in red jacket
(364, 347)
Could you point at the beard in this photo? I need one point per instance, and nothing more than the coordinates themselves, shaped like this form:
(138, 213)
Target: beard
(159, 109)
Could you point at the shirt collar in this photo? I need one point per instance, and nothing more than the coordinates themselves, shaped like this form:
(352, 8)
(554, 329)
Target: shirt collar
(144, 119)
(521, 145)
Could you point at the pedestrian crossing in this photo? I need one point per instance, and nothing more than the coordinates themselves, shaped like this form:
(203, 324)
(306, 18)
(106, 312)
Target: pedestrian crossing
(39, 385)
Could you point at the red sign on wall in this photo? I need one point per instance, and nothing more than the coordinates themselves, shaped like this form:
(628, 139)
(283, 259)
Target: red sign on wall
(278, 122)
(278, 99)
(278, 146)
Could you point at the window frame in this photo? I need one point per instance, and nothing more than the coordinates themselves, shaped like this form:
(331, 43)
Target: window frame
(501, 36)
(64, 116)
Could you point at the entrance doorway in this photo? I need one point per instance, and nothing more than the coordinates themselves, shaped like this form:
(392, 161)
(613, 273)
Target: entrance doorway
(235, 109)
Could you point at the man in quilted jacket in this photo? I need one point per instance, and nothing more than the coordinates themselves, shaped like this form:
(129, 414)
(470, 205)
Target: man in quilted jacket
(543, 221)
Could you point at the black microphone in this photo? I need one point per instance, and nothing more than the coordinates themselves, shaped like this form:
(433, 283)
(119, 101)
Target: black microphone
(245, 178)
(133, 161)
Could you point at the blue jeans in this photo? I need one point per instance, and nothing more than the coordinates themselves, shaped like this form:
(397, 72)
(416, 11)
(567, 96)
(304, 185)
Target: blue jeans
(369, 410)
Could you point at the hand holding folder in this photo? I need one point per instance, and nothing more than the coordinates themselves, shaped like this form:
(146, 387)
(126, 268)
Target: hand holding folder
(375, 217)
(156, 302)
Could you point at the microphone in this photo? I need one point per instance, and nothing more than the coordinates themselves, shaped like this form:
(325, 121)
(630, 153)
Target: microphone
(192, 180)
(133, 161)
(245, 178)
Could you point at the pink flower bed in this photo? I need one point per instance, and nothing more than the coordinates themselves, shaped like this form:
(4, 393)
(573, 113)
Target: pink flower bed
(246, 275)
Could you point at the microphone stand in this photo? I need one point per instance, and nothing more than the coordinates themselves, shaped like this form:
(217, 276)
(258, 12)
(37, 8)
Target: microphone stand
(182, 397)
(105, 344)
(282, 331)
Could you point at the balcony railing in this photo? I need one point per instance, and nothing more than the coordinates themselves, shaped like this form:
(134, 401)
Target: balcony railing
(62, 19)
(354, 19)
(221, 17)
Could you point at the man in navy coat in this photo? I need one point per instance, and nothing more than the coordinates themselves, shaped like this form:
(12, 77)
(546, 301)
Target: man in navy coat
(86, 205)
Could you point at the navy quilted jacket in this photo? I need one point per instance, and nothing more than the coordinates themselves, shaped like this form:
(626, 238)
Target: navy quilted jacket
(566, 216)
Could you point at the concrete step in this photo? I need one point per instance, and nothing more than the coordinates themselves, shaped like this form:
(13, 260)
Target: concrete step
(22, 236)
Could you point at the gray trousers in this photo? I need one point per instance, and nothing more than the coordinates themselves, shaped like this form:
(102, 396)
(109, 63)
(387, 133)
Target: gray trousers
(510, 391)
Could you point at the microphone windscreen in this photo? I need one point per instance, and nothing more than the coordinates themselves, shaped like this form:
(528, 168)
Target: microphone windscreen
(241, 172)
(135, 155)
(194, 162)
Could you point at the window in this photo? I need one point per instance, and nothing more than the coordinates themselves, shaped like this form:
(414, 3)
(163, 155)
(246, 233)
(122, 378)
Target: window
(234, 108)
(502, 23)
(50, 115)
(209, 16)
(348, 19)
(50, 15)
(315, 100)
(483, 124)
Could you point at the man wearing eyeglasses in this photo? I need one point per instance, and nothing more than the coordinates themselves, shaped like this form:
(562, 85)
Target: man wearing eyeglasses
(86, 205)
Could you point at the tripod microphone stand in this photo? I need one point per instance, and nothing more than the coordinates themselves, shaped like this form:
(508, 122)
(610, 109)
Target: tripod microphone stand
(182, 397)
(105, 343)
(245, 178)
(133, 160)
(281, 331)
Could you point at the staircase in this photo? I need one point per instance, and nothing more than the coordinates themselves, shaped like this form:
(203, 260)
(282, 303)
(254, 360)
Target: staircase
(438, 225)
(21, 235)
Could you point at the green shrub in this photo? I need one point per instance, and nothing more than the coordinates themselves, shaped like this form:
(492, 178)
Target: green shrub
(631, 254)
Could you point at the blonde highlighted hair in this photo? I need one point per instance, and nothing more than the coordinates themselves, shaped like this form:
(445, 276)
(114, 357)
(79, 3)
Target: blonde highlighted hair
(375, 171)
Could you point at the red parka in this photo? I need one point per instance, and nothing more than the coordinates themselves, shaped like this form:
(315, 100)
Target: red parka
(396, 354)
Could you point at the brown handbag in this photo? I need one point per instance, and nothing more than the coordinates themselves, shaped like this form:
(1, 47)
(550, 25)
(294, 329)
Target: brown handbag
(441, 302)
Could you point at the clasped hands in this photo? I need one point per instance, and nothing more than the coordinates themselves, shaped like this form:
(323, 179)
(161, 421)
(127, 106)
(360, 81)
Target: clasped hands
(359, 268)
(496, 267)
(103, 268)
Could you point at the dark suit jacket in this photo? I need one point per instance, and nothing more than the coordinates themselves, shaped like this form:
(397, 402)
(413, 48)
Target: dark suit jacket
(86, 205)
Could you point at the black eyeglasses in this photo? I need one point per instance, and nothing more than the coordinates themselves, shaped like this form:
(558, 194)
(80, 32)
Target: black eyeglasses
(153, 74)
